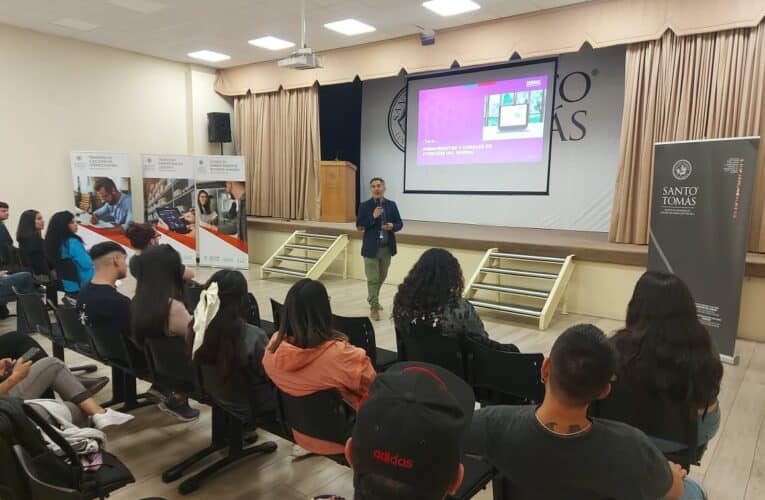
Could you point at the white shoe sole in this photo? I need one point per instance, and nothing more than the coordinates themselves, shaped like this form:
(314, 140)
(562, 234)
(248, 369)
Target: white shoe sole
(180, 417)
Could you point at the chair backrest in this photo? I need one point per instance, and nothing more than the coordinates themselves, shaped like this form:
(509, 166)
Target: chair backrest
(39, 489)
(33, 309)
(71, 328)
(253, 310)
(656, 417)
(321, 415)
(504, 373)
(277, 310)
(191, 293)
(360, 333)
(425, 342)
(169, 363)
(110, 347)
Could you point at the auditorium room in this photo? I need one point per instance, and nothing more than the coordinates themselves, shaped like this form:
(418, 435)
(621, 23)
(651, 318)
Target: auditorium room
(382, 249)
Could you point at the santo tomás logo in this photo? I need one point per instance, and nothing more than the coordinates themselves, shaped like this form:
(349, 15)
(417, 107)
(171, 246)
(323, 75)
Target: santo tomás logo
(682, 169)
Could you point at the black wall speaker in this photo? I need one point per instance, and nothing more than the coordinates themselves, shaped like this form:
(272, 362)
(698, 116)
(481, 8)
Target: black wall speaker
(218, 127)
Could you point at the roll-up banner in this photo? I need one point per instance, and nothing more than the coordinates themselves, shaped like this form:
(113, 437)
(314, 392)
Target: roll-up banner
(103, 203)
(700, 211)
(168, 193)
(221, 211)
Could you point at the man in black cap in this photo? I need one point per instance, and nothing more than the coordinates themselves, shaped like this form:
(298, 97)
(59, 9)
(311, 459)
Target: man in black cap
(407, 437)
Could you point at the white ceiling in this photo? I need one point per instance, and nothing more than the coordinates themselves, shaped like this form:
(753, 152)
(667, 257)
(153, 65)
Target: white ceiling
(172, 28)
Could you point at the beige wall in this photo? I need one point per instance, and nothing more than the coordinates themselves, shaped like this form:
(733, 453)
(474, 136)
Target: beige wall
(59, 95)
(204, 100)
(596, 289)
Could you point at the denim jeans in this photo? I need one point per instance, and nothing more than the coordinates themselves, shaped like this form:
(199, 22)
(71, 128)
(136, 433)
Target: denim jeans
(23, 282)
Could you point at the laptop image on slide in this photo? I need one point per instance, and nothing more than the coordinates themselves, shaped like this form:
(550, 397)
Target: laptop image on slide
(174, 220)
(513, 116)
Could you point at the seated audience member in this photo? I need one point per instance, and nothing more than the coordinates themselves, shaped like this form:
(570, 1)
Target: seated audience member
(157, 309)
(668, 362)
(406, 443)
(14, 344)
(5, 235)
(31, 244)
(556, 451)
(66, 251)
(230, 344)
(142, 236)
(432, 293)
(307, 355)
(30, 380)
(99, 304)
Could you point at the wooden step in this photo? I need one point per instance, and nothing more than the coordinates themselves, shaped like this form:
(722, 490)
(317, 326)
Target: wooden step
(518, 272)
(317, 236)
(526, 292)
(531, 312)
(529, 258)
(284, 270)
(300, 246)
(294, 258)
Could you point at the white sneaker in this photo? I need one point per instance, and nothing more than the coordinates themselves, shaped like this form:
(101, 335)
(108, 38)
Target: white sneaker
(110, 417)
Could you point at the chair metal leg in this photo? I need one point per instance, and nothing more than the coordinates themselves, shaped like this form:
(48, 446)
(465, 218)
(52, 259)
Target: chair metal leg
(83, 368)
(219, 441)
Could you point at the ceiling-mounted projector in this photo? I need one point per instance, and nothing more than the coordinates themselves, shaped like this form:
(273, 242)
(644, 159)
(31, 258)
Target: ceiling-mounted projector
(301, 59)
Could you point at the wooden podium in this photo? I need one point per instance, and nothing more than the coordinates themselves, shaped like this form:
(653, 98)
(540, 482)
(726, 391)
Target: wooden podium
(338, 191)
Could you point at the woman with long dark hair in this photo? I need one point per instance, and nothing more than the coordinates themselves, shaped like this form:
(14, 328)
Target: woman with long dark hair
(142, 236)
(307, 355)
(31, 244)
(432, 293)
(66, 251)
(668, 361)
(207, 213)
(230, 344)
(157, 309)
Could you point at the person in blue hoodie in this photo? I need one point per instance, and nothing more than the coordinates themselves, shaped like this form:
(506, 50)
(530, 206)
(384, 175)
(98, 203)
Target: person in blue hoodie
(380, 220)
(67, 253)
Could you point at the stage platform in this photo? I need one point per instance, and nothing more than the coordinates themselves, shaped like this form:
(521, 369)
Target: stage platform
(586, 245)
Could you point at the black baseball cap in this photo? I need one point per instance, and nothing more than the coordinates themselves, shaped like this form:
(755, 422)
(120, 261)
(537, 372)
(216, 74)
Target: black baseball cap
(411, 426)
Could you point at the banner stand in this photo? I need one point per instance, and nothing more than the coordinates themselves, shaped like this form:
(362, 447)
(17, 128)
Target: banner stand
(700, 211)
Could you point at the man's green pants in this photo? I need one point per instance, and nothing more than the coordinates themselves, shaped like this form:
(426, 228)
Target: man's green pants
(376, 269)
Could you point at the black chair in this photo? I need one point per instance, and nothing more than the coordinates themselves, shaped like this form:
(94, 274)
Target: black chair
(321, 415)
(127, 363)
(478, 474)
(501, 377)
(191, 293)
(277, 310)
(361, 333)
(228, 427)
(74, 334)
(663, 420)
(111, 476)
(36, 316)
(425, 342)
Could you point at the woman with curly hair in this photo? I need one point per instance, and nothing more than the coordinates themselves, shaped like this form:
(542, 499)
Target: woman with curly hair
(432, 292)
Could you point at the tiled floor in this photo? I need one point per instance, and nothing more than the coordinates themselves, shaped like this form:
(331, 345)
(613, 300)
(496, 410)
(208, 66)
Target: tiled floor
(733, 467)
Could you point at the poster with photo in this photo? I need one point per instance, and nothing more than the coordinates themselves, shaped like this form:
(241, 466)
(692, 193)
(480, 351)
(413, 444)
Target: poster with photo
(103, 202)
(168, 193)
(221, 211)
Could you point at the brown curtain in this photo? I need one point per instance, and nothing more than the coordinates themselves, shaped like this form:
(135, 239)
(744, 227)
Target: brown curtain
(278, 134)
(678, 88)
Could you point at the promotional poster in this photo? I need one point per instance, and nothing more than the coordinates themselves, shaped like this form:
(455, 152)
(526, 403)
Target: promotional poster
(169, 202)
(221, 211)
(700, 211)
(103, 202)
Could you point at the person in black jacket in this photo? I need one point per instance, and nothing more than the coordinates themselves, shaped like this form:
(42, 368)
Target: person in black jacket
(31, 245)
(5, 236)
(380, 220)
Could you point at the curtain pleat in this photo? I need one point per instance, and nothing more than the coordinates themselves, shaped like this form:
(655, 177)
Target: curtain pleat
(278, 134)
(679, 88)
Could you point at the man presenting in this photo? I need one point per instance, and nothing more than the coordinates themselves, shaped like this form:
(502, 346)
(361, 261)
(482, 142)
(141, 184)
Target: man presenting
(380, 220)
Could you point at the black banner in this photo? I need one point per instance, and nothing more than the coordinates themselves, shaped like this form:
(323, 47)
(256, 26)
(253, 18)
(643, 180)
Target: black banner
(700, 210)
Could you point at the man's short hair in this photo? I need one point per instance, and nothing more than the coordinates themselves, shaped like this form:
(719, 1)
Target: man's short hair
(377, 179)
(105, 183)
(140, 234)
(3, 204)
(582, 362)
(102, 249)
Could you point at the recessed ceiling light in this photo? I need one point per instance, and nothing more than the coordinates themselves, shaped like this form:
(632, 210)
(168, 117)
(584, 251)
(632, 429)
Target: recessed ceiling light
(450, 7)
(271, 43)
(75, 24)
(209, 55)
(140, 6)
(350, 27)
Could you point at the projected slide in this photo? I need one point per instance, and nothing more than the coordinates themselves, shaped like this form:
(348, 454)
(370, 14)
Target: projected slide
(488, 122)
(480, 131)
